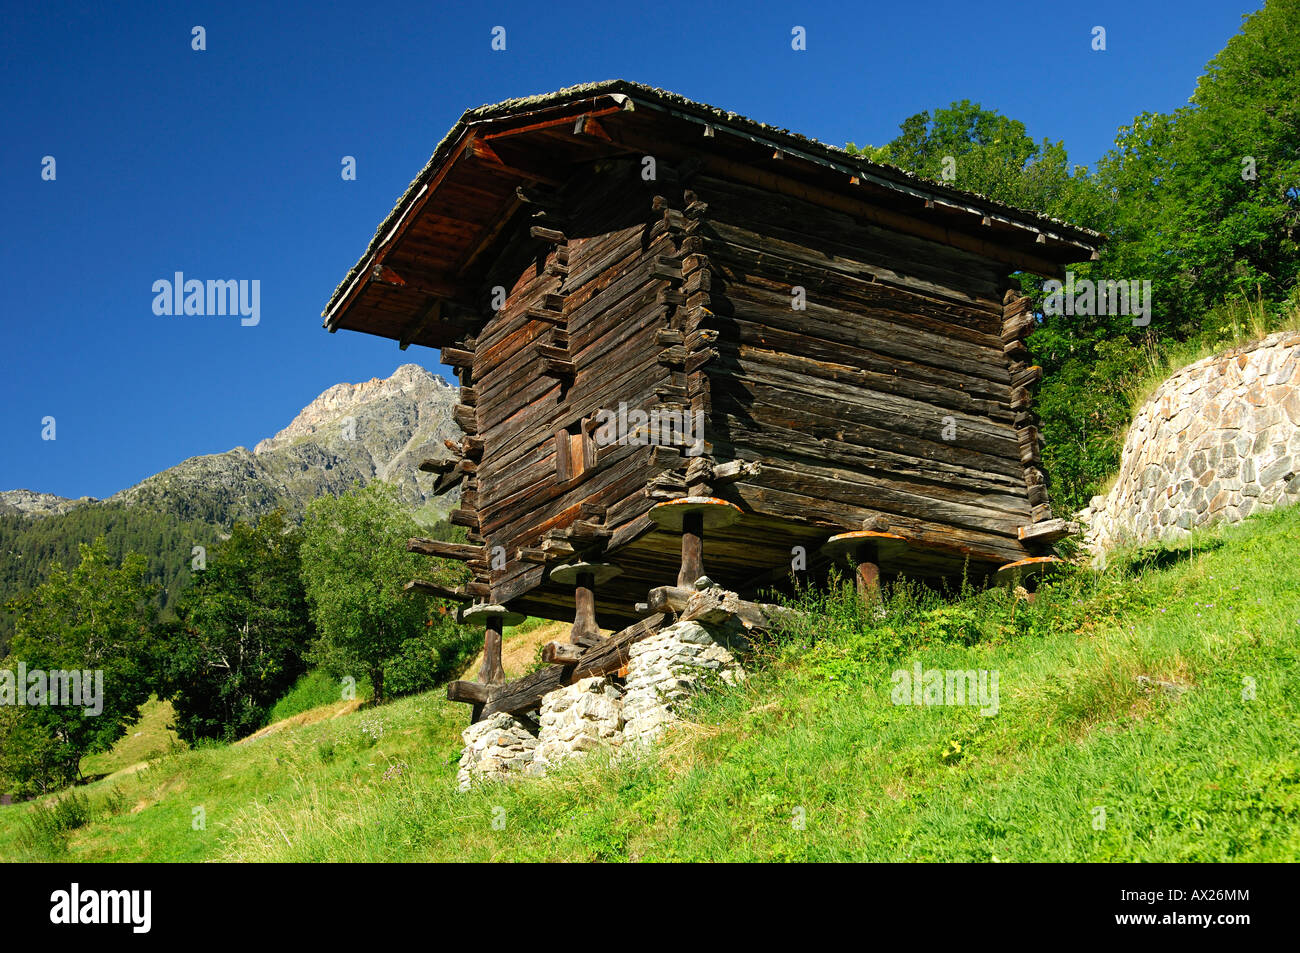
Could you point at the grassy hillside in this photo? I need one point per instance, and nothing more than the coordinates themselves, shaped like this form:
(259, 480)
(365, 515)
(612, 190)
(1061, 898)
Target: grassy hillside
(810, 760)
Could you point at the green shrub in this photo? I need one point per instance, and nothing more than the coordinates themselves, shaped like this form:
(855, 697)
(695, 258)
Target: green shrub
(47, 826)
(313, 690)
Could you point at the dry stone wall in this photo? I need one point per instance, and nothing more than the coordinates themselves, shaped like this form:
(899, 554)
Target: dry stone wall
(495, 748)
(578, 718)
(668, 667)
(663, 670)
(1218, 440)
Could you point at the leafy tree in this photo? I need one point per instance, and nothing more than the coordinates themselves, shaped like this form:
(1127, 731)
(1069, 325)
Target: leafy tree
(1203, 202)
(355, 566)
(98, 618)
(242, 633)
(1208, 198)
(980, 150)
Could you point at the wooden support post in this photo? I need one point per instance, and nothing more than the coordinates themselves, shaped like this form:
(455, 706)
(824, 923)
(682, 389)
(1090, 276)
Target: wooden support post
(584, 577)
(692, 567)
(585, 630)
(491, 672)
(493, 618)
(865, 549)
(691, 516)
(868, 572)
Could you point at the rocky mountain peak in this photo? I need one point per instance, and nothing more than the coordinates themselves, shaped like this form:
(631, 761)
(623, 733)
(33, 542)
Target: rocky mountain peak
(409, 380)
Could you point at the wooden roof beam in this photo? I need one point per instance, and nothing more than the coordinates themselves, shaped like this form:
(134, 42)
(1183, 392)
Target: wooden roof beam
(359, 282)
(567, 119)
(461, 552)
(428, 315)
(588, 125)
(483, 152)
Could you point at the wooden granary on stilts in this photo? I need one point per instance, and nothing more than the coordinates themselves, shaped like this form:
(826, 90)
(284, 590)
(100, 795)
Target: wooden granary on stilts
(689, 342)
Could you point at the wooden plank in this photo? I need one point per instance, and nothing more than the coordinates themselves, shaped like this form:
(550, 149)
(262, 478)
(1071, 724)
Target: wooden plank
(425, 587)
(525, 694)
(443, 549)
(1048, 531)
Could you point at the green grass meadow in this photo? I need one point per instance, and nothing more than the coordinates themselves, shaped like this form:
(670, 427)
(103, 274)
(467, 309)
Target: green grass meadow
(810, 759)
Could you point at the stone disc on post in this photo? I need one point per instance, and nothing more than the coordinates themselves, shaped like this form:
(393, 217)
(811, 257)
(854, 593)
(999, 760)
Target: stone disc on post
(479, 613)
(846, 544)
(671, 514)
(1023, 570)
(567, 574)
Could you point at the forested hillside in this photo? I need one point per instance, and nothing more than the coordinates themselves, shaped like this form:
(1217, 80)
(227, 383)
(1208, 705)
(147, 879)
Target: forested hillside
(30, 546)
(350, 434)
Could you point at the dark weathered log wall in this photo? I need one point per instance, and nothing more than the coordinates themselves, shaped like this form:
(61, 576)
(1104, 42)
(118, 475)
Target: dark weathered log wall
(592, 300)
(888, 396)
(897, 396)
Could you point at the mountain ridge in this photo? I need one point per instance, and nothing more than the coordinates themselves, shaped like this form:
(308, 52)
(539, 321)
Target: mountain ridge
(350, 433)
(381, 428)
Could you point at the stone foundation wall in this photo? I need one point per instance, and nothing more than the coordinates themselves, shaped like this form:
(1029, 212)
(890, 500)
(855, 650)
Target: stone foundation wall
(1219, 440)
(667, 667)
(663, 670)
(578, 718)
(495, 747)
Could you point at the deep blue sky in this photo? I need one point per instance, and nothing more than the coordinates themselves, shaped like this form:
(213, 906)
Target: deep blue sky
(225, 164)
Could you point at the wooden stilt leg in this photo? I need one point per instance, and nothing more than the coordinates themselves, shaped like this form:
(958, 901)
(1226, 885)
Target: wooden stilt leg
(868, 574)
(692, 550)
(491, 672)
(585, 630)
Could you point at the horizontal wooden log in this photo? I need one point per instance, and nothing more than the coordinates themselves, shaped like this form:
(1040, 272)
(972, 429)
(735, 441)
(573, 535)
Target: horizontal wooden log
(442, 549)
(545, 314)
(1048, 531)
(439, 465)
(465, 418)
(734, 470)
(557, 547)
(1028, 377)
(562, 653)
(1016, 350)
(464, 517)
(457, 357)
(427, 588)
(1017, 328)
(449, 480)
(712, 606)
(474, 693)
(675, 355)
(551, 352)
(525, 694)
